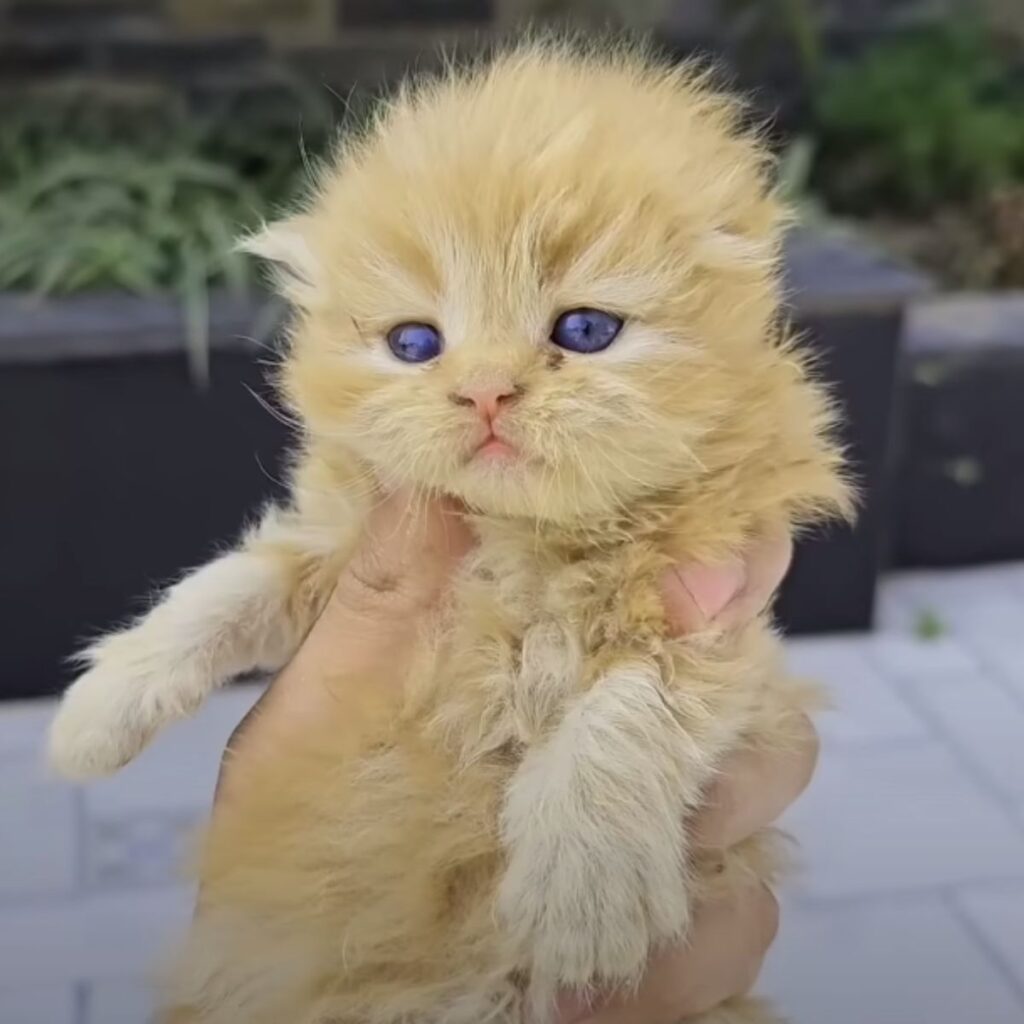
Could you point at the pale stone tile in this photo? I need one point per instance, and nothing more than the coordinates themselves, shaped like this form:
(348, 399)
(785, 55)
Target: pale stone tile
(100, 936)
(38, 849)
(998, 914)
(865, 706)
(984, 722)
(38, 1005)
(884, 819)
(909, 962)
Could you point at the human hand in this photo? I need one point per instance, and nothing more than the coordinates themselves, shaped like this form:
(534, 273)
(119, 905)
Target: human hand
(366, 632)
(399, 574)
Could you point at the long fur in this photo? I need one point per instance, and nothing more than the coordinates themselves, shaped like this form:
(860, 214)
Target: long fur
(516, 822)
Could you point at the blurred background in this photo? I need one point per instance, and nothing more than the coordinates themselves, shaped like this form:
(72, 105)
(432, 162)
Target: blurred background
(139, 137)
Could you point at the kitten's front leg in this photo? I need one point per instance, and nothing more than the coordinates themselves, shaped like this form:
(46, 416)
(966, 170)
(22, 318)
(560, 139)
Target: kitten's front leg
(240, 612)
(594, 827)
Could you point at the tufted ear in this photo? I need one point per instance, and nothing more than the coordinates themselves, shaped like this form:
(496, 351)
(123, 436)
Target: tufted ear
(298, 272)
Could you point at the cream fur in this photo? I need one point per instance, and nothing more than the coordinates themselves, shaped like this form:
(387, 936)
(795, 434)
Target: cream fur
(593, 826)
(518, 820)
(225, 618)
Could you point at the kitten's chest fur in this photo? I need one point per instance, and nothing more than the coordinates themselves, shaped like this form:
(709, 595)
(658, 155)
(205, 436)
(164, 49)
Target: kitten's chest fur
(537, 619)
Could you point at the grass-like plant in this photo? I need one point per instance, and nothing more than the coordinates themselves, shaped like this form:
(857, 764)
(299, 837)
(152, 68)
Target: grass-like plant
(930, 118)
(136, 194)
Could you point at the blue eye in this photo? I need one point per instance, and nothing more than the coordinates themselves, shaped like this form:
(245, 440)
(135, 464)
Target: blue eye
(586, 330)
(415, 343)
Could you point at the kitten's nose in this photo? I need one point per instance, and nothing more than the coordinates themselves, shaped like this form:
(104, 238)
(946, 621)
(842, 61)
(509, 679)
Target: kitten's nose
(488, 398)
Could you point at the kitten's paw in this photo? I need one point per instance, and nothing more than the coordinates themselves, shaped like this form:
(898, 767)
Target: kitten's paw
(585, 917)
(109, 715)
(101, 724)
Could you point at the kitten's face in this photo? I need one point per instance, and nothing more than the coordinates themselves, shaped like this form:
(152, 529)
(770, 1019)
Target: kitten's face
(533, 289)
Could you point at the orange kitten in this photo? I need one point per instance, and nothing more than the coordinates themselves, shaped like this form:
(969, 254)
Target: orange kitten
(549, 287)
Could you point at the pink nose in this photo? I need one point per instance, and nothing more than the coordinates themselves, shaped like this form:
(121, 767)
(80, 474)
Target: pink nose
(487, 398)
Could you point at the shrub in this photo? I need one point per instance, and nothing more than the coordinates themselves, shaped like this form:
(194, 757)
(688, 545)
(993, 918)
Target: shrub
(925, 119)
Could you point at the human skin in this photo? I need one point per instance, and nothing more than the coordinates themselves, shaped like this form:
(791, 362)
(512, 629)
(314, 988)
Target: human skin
(399, 574)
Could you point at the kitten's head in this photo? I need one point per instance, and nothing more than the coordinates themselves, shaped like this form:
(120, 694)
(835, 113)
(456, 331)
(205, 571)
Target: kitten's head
(538, 285)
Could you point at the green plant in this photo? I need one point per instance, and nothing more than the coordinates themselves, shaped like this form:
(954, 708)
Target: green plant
(131, 192)
(129, 221)
(928, 626)
(793, 181)
(929, 118)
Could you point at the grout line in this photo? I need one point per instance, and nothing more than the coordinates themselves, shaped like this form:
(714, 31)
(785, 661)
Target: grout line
(994, 670)
(990, 951)
(891, 897)
(82, 1001)
(54, 900)
(879, 746)
(81, 820)
(818, 904)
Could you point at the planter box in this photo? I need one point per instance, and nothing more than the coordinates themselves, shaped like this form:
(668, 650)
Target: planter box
(118, 473)
(850, 301)
(960, 484)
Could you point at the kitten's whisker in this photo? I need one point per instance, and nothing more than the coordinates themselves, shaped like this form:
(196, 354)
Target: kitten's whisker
(281, 417)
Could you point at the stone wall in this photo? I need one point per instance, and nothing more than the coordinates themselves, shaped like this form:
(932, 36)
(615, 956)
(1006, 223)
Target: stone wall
(199, 42)
(314, 18)
(347, 43)
(286, 19)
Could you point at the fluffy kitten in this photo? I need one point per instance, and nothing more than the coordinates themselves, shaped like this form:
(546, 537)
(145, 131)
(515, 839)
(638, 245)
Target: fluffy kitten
(549, 287)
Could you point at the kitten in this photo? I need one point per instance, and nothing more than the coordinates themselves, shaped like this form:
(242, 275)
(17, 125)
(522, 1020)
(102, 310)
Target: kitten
(548, 286)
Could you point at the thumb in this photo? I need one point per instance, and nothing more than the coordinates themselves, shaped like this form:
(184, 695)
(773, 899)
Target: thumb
(411, 546)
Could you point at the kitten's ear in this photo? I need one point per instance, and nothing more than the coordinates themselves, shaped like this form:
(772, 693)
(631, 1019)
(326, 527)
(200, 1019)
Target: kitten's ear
(286, 244)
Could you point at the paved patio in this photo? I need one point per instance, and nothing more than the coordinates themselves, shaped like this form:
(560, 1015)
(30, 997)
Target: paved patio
(909, 910)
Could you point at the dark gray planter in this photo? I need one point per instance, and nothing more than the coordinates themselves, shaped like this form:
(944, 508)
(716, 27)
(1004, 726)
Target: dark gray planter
(849, 299)
(118, 472)
(960, 485)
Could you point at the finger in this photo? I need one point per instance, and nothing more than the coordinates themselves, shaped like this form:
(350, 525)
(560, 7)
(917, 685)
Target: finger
(408, 529)
(235, 740)
(697, 596)
(767, 562)
(411, 546)
(408, 524)
(694, 594)
(720, 961)
(755, 786)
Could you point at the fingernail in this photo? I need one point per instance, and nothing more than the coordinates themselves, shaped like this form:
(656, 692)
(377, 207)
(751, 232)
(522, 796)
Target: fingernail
(713, 587)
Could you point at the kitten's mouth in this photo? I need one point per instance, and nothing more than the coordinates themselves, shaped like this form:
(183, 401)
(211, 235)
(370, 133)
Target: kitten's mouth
(494, 448)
